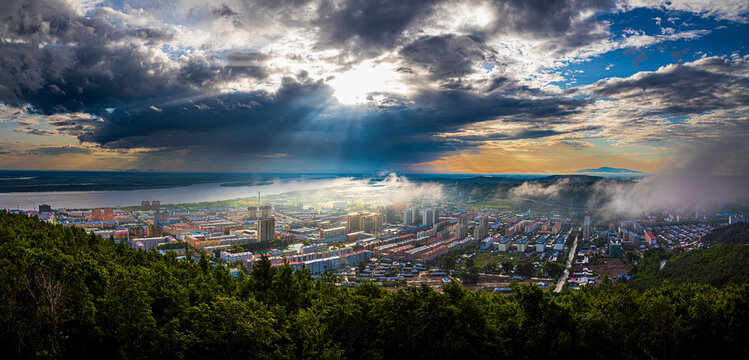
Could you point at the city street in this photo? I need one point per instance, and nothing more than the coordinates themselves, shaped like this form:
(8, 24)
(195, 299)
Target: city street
(560, 283)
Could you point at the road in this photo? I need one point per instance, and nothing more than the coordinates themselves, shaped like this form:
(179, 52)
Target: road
(563, 279)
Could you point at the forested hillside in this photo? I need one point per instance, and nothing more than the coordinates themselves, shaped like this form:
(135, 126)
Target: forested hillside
(718, 265)
(66, 294)
(737, 233)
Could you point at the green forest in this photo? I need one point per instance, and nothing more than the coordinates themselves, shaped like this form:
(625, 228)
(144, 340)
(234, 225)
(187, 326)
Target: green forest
(67, 294)
(737, 233)
(718, 265)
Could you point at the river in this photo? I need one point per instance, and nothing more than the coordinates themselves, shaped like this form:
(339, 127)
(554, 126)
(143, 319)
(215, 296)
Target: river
(175, 195)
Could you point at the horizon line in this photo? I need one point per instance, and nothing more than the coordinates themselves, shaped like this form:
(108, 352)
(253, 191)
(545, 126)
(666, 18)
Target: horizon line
(378, 173)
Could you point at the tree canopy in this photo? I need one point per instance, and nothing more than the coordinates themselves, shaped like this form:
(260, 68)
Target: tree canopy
(737, 233)
(718, 265)
(68, 294)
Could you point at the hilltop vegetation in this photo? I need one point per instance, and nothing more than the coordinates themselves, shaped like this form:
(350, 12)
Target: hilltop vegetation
(737, 233)
(725, 261)
(67, 294)
(718, 265)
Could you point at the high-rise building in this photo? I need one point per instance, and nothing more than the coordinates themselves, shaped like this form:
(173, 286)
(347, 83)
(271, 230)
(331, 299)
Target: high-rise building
(266, 229)
(265, 211)
(252, 212)
(44, 208)
(145, 205)
(101, 215)
(429, 216)
(556, 228)
(370, 222)
(481, 231)
(390, 214)
(156, 205)
(363, 221)
(408, 216)
(461, 231)
(426, 216)
(160, 217)
(586, 229)
(353, 222)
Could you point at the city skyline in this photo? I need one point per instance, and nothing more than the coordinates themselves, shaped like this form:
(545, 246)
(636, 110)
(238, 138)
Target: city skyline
(491, 87)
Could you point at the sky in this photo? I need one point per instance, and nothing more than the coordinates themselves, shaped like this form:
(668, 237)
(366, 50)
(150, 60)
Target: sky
(319, 86)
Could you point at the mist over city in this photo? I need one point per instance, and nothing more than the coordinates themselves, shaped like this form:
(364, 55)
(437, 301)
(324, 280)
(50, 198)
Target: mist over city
(375, 179)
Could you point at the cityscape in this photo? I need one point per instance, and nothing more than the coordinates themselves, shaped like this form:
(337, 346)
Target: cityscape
(374, 179)
(428, 240)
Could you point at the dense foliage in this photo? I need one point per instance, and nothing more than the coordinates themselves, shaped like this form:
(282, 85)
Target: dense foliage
(173, 245)
(72, 295)
(264, 245)
(737, 233)
(718, 265)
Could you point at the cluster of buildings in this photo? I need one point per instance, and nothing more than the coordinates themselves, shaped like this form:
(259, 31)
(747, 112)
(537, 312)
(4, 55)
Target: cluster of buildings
(386, 271)
(530, 226)
(643, 234)
(363, 221)
(316, 261)
(685, 236)
(539, 243)
(149, 243)
(403, 238)
(429, 216)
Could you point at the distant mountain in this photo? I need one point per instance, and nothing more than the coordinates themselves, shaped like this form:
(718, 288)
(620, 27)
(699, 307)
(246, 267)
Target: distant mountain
(572, 179)
(608, 170)
(477, 180)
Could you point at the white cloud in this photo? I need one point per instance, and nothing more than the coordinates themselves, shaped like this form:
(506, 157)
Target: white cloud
(735, 10)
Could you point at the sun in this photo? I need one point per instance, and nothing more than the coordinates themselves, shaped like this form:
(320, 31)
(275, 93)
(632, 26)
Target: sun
(357, 84)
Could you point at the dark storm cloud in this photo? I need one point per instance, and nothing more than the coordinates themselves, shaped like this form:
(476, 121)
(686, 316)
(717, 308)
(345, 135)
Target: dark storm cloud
(64, 63)
(227, 123)
(683, 89)
(57, 150)
(88, 63)
(281, 4)
(44, 150)
(33, 131)
(545, 17)
(223, 11)
(463, 107)
(367, 27)
(408, 134)
(165, 108)
(532, 132)
(95, 64)
(447, 56)
(551, 19)
(303, 120)
(251, 64)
